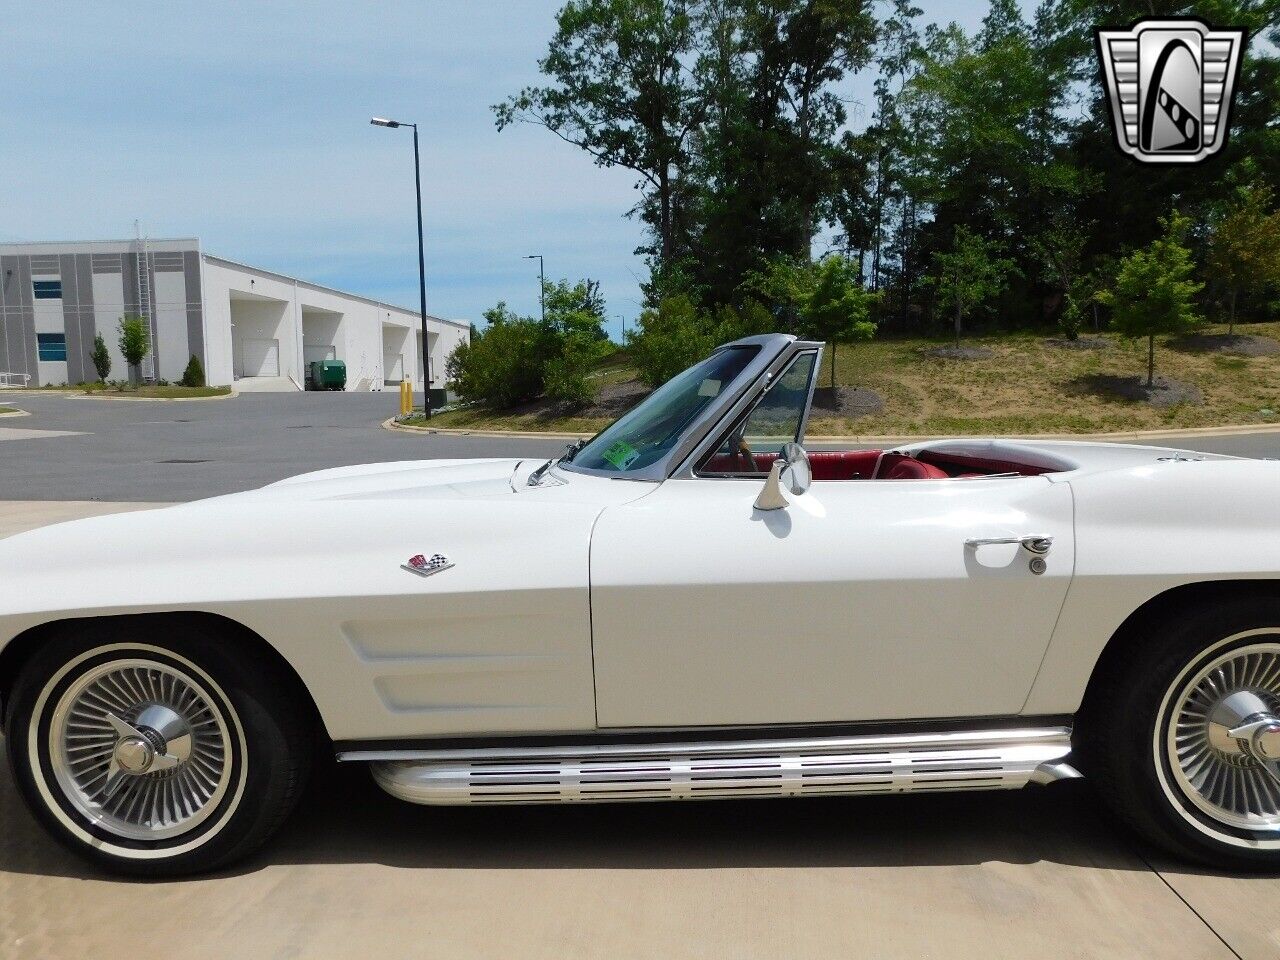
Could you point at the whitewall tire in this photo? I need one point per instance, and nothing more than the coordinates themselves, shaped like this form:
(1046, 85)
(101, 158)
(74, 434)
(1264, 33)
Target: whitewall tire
(1184, 739)
(154, 745)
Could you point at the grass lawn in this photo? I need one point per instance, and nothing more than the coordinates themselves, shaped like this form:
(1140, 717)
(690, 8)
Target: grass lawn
(1026, 386)
(158, 393)
(7, 410)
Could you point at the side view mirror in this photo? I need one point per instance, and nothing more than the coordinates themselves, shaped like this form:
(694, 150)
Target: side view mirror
(790, 471)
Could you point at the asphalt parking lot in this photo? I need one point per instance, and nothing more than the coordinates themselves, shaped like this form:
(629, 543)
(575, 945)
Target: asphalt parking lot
(75, 448)
(1039, 872)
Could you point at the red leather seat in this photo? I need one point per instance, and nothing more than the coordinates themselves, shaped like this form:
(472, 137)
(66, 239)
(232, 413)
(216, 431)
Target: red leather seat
(843, 464)
(909, 468)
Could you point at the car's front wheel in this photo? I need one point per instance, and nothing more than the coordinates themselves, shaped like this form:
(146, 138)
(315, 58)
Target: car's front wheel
(154, 746)
(1185, 737)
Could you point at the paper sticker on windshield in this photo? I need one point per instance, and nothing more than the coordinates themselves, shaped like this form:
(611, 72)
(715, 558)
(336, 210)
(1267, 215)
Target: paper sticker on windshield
(709, 388)
(622, 455)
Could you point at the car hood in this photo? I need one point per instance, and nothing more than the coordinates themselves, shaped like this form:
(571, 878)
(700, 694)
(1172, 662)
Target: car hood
(443, 480)
(405, 479)
(334, 532)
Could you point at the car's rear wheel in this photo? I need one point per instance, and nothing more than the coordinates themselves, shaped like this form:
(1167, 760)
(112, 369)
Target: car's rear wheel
(1185, 738)
(154, 746)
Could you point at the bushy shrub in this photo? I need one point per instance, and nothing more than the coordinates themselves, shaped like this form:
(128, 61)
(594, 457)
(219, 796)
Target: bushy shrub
(1072, 319)
(516, 359)
(193, 376)
(751, 319)
(568, 376)
(504, 363)
(671, 337)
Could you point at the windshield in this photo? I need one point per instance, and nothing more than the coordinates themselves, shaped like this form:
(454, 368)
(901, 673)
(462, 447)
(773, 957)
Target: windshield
(643, 436)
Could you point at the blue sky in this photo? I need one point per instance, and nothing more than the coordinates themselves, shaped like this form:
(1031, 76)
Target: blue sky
(248, 125)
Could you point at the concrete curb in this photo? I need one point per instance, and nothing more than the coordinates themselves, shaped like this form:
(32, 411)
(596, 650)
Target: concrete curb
(104, 395)
(15, 413)
(390, 424)
(1227, 430)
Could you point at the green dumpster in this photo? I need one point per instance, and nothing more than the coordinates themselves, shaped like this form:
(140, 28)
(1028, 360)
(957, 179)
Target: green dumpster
(327, 375)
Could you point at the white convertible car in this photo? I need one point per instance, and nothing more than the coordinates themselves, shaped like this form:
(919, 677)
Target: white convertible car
(687, 606)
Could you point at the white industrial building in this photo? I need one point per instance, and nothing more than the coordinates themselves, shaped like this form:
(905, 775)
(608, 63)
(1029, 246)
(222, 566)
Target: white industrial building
(250, 327)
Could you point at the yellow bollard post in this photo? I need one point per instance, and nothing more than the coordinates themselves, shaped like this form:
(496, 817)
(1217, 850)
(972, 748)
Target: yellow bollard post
(406, 398)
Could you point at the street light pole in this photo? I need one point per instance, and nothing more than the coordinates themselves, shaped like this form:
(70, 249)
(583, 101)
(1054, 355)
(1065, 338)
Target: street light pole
(422, 263)
(542, 285)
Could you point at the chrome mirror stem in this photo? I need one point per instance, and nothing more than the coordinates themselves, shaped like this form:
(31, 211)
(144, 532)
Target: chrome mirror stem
(771, 496)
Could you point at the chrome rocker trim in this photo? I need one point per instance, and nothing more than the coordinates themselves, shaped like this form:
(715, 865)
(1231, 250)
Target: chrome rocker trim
(907, 763)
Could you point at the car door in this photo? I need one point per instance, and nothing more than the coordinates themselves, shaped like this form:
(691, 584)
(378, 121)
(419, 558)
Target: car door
(862, 600)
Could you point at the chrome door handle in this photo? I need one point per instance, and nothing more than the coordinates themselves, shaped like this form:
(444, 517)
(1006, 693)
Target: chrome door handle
(1034, 543)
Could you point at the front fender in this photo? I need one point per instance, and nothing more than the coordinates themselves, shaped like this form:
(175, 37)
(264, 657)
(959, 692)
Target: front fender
(499, 642)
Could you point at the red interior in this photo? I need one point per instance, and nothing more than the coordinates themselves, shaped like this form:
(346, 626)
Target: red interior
(879, 465)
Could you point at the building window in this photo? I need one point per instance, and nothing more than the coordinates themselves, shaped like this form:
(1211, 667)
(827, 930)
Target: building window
(47, 289)
(52, 346)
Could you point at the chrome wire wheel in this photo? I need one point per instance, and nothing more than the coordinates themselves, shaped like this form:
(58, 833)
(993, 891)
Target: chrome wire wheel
(1221, 739)
(141, 748)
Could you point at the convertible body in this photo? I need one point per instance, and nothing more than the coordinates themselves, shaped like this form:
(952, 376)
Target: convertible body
(655, 615)
(589, 603)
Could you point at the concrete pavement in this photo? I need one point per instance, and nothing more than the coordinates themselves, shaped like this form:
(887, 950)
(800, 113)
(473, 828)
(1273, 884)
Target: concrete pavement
(1041, 872)
(19, 515)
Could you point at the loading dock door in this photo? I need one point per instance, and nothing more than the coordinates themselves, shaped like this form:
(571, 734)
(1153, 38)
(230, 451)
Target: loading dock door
(260, 358)
(393, 368)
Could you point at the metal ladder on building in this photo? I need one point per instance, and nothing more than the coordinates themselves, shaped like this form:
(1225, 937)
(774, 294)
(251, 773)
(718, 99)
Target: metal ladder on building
(146, 300)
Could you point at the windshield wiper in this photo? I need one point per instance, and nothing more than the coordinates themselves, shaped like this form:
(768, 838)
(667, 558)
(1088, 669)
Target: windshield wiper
(536, 477)
(570, 452)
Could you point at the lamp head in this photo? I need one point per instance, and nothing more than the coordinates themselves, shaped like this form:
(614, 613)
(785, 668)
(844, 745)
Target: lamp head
(384, 122)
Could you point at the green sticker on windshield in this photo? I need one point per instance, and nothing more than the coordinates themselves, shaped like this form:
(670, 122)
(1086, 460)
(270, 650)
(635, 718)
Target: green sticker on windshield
(622, 455)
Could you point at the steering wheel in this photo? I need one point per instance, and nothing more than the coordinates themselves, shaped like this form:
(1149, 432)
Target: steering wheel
(738, 445)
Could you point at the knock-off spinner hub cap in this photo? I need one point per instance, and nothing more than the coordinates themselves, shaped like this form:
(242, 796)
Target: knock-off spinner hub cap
(1222, 740)
(134, 754)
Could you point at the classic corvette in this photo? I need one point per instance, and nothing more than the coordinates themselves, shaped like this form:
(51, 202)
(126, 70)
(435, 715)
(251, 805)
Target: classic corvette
(686, 606)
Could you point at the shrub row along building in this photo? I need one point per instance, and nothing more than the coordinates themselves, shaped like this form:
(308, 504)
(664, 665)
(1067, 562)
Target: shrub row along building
(251, 327)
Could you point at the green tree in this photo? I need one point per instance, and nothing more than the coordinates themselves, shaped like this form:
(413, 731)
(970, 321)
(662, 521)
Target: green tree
(1154, 291)
(193, 375)
(838, 308)
(784, 284)
(751, 319)
(1059, 251)
(575, 309)
(135, 342)
(1244, 251)
(1091, 287)
(100, 357)
(669, 338)
(970, 273)
(575, 316)
(769, 164)
(729, 112)
(866, 209)
(620, 89)
(987, 117)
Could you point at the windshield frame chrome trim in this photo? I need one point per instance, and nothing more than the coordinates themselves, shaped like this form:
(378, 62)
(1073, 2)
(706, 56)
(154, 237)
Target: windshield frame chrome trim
(685, 468)
(696, 434)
